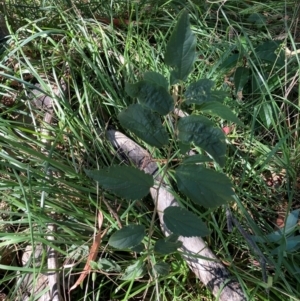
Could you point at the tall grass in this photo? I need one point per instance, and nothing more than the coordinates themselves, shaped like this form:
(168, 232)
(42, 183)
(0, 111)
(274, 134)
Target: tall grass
(94, 48)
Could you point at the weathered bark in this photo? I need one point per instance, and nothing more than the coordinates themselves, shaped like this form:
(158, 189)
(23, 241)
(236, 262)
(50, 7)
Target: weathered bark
(201, 260)
(52, 274)
(32, 284)
(45, 103)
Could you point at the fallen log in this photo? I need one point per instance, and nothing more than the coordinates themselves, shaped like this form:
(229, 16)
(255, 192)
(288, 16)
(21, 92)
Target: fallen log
(201, 260)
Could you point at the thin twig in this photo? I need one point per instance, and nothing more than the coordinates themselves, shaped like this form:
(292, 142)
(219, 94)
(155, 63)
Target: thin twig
(113, 213)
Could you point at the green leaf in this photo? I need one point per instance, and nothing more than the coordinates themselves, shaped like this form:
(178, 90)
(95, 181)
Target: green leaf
(152, 95)
(183, 222)
(241, 77)
(94, 276)
(162, 268)
(108, 265)
(181, 49)
(183, 147)
(266, 52)
(125, 181)
(258, 82)
(165, 247)
(292, 220)
(138, 248)
(199, 92)
(134, 271)
(155, 97)
(93, 265)
(196, 159)
(272, 237)
(132, 89)
(200, 130)
(145, 124)
(127, 237)
(172, 238)
(267, 48)
(156, 78)
(292, 244)
(204, 186)
(218, 109)
(266, 114)
(231, 61)
(257, 19)
(281, 234)
(218, 95)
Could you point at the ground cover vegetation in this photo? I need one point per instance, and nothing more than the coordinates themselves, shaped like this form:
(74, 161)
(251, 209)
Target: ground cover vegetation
(93, 60)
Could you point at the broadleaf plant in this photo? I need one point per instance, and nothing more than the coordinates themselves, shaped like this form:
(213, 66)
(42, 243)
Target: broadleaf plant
(127, 237)
(200, 130)
(199, 92)
(165, 247)
(216, 108)
(156, 78)
(204, 186)
(181, 50)
(162, 268)
(183, 222)
(135, 271)
(152, 95)
(122, 179)
(145, 124)
(149, 120)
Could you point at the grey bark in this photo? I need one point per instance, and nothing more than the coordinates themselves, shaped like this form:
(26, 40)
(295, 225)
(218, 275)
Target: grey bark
(45, 103)
(32, 284)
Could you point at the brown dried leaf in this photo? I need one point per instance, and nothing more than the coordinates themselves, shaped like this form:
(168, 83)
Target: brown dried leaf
(93, 252)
